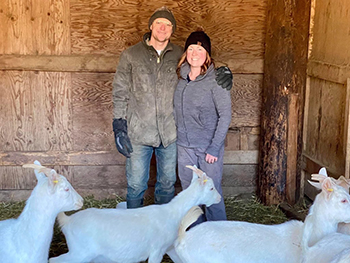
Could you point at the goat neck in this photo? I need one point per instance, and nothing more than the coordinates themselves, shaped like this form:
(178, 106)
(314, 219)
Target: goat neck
(185, 200)
(40, 227)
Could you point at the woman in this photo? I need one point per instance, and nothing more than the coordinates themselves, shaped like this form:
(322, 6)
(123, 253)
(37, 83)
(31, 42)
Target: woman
(202, 111)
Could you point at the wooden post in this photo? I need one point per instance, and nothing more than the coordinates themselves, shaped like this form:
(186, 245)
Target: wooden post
(284, 86)
(347, 130)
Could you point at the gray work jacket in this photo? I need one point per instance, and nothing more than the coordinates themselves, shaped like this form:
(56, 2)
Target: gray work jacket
(143, 91)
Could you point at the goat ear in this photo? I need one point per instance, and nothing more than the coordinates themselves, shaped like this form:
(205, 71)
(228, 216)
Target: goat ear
(318, 177)
(328, 187)
(53, 179)
(343, 182)
(39, 170)
(316, 185)
(195, 173)
(323, 171)
(194, 168)
(204, 179)
(194, 177)
(38, 174)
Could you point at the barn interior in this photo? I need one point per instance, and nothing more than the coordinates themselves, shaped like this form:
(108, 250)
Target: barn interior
(290, 97)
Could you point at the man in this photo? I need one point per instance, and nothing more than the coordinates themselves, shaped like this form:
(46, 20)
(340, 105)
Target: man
(143, 121)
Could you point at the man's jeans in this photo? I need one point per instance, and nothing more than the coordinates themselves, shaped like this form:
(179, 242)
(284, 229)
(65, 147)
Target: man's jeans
(137, 174)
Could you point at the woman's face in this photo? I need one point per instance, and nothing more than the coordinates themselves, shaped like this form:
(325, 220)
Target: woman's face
(196, 55)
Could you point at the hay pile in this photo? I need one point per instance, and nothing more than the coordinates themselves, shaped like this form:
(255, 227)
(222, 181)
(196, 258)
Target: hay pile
(249, 210)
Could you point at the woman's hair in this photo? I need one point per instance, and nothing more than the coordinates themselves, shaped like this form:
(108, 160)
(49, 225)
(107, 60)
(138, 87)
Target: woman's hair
(204, 67)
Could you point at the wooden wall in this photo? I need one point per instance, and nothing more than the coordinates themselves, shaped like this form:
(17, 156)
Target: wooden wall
(326, 125)
(57, 62)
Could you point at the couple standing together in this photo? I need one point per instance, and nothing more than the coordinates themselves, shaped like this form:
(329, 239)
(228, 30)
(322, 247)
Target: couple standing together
(168, 100)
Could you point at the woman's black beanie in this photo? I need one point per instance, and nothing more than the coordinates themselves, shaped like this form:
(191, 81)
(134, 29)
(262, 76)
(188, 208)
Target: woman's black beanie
(199, 38)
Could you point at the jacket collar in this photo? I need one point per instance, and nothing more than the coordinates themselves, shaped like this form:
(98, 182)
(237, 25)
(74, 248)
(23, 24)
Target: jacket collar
(185, 70)
(147, 37)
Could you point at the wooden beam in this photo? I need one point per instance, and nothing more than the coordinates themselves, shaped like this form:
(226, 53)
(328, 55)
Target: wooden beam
(100, 158)
(285, 66)
(241, 157)
(329, 72)
(62, 158)
(101, 63)
(65, 63)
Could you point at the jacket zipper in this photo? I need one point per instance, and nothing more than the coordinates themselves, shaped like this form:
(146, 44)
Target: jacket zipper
(183, 115)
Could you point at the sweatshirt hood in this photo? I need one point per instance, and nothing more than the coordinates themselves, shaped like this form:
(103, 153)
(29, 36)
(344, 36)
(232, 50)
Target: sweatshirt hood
(185, 70)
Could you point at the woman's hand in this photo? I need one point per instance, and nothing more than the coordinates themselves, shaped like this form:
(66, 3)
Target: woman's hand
(210, 158)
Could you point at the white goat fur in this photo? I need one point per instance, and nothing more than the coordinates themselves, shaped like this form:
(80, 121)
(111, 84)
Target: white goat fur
(131, 235)
(231, 241)
(238, 242)
(27, 239)
(321, 243)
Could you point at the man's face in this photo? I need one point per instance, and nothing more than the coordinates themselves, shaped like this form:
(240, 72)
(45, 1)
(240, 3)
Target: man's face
(161, 29)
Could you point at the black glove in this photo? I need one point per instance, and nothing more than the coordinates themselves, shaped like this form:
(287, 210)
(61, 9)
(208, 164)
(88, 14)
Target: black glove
(122, 140)
(224, 77)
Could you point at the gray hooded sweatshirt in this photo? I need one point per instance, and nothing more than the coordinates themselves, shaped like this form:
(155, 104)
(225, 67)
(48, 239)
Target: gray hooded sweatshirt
(202, 111)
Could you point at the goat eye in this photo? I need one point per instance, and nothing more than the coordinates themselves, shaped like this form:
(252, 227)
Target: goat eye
(66, 189)
(344, 201)
(211, 189)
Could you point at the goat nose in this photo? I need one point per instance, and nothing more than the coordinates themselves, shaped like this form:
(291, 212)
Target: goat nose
(79, 203)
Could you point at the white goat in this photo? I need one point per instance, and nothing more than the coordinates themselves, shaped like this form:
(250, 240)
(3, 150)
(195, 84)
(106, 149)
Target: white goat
(342, 257)
(332, 216)
(132, 235)
(27, 239)
(236, 242)
(333, 248)
(341, 181)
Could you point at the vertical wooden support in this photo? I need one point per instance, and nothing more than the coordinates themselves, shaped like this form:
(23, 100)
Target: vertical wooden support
(292, 147)
(347, 130)
(284, 86)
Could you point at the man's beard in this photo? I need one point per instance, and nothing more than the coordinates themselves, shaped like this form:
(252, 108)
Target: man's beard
(162, 41)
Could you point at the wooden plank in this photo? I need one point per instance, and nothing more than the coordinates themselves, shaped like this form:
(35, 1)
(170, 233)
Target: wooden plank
(325, 130)
(35, 27)
(98, 177)
(100, 158)
(101, 63)
(241, 157)
(109, 181)
(62, 63)
(62, 158)
(16, 177)
(327, 71)
(313, 166)
(347, 130)
(331, 34)
(306, 112)
(92, 112)
(246, 100)
(115, 25)
(36, 111)
(111, 193)
(292, 148)
(242, 65)
(239, 175)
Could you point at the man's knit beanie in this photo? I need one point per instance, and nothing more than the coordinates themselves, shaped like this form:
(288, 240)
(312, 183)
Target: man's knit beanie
(163, 12)
(199, 38)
